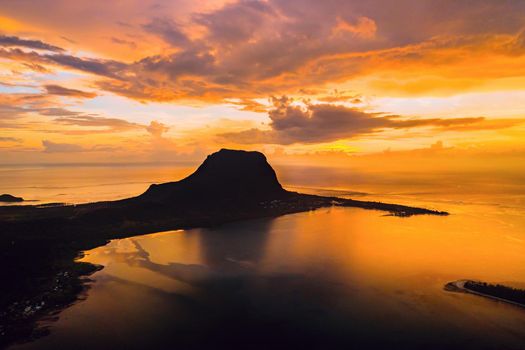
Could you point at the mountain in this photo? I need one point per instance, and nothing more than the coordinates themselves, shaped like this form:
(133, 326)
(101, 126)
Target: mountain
(227, 177)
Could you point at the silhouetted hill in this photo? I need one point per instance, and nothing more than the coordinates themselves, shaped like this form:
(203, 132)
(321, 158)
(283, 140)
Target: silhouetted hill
(7, 198)
(226, 177)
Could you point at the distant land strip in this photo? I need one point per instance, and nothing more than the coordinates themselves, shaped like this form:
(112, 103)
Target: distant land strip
(497, 292)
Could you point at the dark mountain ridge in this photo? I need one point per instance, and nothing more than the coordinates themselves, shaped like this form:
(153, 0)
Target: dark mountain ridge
(225, 176)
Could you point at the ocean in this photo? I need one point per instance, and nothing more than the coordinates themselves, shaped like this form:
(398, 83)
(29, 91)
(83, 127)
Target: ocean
(332, 277)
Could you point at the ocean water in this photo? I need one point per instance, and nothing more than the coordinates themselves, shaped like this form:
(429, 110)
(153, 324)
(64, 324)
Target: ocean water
(330, 278)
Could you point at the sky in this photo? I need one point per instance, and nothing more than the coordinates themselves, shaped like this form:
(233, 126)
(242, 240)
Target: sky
(402, 85)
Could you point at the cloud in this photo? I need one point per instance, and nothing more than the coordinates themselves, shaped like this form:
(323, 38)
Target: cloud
(248, 105)
(98, 124)
(252, 49)
(516, 45)
(156, 128)
(55, 112)
(10, 112)
(102, 67)
(236, 22)
(249, 49)
(15, 107)
(53, 147)
(168, 30)
(129, 43)
(9, 139)
(71, 41)
(341, 96)
(318, 123)
(63, 91)
(36, 67)
(32, 44)
(102, 124)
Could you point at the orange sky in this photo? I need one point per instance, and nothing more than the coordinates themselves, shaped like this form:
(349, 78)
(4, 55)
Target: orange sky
(422, 83)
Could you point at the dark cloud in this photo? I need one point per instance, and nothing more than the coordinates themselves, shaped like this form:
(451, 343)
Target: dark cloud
(248, 49)
(107, 68)
(404, 22)
(236, 22)
(244, 44)
(63, 91)
(325, 123)
(185, 63)
(168, 30)
(31, 44)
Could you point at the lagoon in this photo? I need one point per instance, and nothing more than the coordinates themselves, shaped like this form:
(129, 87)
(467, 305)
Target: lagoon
(327, 278)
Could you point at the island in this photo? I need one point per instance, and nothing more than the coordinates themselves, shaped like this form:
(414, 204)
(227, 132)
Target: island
(7, 198)
(497, 292)
(41, 243)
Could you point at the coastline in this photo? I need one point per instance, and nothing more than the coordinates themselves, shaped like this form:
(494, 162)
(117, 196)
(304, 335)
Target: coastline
(26, 320)
(41, 243)
(459, 287)
(18, 324)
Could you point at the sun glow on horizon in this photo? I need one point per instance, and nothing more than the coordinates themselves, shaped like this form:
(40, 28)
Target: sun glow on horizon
(298, 80)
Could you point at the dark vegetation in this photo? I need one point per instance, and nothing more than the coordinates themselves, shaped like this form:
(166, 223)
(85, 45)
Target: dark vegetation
(497, 290)
(39, 243)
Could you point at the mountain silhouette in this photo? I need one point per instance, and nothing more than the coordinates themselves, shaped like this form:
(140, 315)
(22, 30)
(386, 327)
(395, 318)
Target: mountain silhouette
(226, 177)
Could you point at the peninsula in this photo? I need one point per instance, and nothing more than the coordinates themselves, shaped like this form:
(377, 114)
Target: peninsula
(40, 243)
(496, 292)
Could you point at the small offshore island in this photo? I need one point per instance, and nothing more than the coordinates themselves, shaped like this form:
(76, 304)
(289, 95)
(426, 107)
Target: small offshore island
(7, 198)
(497, 292)
(40, 243)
